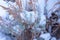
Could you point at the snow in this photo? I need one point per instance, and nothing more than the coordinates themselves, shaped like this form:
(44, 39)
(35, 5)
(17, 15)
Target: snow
(43, 20)
(3, 3)
(34, 39)
(46, 36)
(53, 38)
(3, 12)
(50, 5)
(42, 5)
(4, 37)
(11, 17)
(30, 17)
